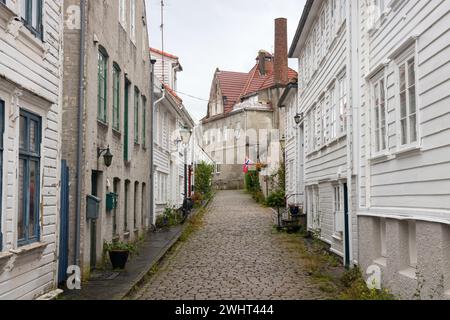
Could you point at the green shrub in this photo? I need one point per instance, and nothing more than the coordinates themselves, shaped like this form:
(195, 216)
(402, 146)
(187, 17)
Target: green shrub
(252, 181)
(276, 199)
(203, 179)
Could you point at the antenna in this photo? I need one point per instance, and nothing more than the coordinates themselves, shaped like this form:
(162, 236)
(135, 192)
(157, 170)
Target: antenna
(162, 40)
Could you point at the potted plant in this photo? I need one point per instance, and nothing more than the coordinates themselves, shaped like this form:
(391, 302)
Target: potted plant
(294, 209)
(119, 253)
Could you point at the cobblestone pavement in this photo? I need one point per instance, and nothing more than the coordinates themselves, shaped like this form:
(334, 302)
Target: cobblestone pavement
(235, 255)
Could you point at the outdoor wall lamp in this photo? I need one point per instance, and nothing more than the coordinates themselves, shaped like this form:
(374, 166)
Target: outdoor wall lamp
(185, 134)
(283, 142)
(298, 118)
(107, 156)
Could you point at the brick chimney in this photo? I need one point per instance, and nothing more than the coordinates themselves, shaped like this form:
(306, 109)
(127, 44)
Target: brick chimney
(281, 52)
(262, 62)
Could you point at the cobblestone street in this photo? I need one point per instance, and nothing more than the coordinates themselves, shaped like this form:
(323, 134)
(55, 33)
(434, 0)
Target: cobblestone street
(235, 255)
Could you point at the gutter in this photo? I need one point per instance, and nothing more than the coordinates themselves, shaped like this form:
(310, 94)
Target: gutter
(301, 25)
(80, 131)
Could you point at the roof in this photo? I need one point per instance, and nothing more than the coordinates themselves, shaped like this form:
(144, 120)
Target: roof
(173, 94)
(237, 85)
(300, 27)
(163, 53)
(292, 85)
(231, 84)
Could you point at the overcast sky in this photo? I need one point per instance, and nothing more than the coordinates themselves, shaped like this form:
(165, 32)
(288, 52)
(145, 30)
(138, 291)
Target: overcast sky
(210, 34)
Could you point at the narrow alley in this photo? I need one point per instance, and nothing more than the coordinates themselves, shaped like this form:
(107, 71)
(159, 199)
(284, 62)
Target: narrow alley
(235, 255)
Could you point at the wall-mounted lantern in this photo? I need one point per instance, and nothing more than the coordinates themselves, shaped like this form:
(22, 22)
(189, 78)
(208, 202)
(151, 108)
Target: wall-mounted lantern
(107, 156)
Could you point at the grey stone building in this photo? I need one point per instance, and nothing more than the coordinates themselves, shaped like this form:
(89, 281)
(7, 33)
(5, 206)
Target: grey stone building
(243, 113)
(109, 115)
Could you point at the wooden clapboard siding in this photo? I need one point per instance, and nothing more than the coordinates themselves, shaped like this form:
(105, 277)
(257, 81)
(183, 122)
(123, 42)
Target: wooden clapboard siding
(419, 180)
(35, 68)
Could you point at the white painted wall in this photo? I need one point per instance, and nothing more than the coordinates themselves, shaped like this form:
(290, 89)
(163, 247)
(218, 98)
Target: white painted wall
(30, 72)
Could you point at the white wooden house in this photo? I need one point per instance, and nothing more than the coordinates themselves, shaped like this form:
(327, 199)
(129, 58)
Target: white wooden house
(30, 127)
(404, 155)
(170, 154)
(322, 45)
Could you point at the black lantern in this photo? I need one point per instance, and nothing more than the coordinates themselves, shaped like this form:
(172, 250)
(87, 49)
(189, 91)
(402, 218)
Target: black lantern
(107, 156)
(298, 118)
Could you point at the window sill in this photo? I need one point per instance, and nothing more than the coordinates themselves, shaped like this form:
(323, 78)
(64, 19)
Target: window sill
(4, 257)
(29, 249)
(102, 123)
(117, 133)
(407, 150)
(126, 234)
(337, 236)
(379, 157)
(381, 261)
(409, 273)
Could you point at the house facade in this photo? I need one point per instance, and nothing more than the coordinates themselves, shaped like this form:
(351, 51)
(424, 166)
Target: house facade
(109, 116)
(293, 135)
(171, 167)
(243, 117)
(323, 46)
(372, 99)
(30, 146)
(404, 168)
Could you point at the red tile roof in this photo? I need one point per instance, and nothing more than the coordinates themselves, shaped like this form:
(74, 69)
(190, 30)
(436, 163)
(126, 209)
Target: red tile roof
(168, 55)
(237, 85)
(173, 94)
(231, 84)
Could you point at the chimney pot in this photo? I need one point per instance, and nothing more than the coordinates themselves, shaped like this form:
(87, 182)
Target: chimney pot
(281, 52)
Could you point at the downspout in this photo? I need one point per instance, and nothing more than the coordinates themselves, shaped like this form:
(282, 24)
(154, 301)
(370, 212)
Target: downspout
(151, 138)
(80, 131)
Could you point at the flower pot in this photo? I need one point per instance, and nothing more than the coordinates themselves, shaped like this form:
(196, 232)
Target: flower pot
(295, 210)
(118, 258)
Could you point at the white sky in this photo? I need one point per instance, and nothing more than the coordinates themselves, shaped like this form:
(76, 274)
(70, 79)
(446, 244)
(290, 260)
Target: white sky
(224, 34)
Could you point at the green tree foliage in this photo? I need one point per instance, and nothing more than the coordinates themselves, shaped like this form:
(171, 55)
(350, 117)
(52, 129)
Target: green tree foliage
(203, 179)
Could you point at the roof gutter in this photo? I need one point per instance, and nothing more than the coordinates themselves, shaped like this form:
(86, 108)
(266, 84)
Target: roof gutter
(286, 93)
(300, 28)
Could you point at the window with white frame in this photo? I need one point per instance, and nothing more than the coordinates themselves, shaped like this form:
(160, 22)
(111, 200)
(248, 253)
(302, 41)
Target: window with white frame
(320, 114)
(313, 215)
(333, 113)
(31, 14)
(379, 122)
(342, 104)
(338, 205)
(312, 130)
(408, 101)
(161, 195)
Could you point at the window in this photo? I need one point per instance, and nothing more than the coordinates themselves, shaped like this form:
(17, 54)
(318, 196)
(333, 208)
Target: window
(133, 20)
(143, 197)
(126, 206)
(383, 238)
(312, 130)
(137, 98)
(31, 14)
(338, 201)
(313, 208)
(135, 209)
(102, 86)
(116, 97)
(144, 121)
(342, 105)
(122, 12)
(29, 178)
(116, 189)
(2, 130)
(333, 113)
(412, 247)
(408, 106)
(126, 156)
(379, 115)
(162, 188)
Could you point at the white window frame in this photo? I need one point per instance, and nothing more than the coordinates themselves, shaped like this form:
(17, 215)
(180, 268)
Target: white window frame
(333, 134)
(377, 83)
(403, 61)
(342, 104)
(338, 209)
